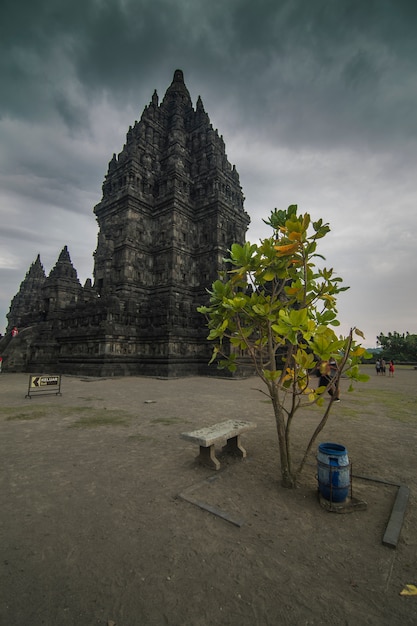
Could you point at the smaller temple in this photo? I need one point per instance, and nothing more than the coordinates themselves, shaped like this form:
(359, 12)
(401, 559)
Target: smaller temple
(36, 310)
(42, 297)
(27, 305)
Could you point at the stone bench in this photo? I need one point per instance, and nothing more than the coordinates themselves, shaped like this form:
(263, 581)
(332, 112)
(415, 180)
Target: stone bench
(228, 431)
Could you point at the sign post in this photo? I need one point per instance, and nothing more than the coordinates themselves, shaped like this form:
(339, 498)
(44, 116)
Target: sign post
(50, 384)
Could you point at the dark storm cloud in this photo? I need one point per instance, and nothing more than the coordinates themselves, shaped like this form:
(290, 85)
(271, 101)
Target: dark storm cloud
(347, 60)
(315, 98)
(95, 46)
(275, 55)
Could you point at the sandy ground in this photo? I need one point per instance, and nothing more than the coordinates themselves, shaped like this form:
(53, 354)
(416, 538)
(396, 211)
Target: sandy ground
(93, 530)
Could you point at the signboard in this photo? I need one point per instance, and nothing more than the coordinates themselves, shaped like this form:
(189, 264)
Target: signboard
(50, 384)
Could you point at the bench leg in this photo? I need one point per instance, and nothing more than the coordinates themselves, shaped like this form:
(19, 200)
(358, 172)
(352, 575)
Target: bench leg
(207, 457)
(234, 447)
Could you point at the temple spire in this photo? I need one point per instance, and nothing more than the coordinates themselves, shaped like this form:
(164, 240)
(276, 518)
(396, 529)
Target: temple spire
(177, 91)
(199, 104)
(63, 267)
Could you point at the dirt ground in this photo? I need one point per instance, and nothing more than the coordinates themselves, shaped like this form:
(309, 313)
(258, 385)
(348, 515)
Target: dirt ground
(93, 530)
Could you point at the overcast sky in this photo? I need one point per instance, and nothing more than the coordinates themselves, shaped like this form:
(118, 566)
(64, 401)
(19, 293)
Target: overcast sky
(316, 101)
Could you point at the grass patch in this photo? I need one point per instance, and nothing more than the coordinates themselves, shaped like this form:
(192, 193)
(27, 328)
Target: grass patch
(13, 413)
(349, 413)
(33, 412)
(88, 417)
(101, 418)
(141, 438)
(167, 421)
(90, 398)
(388, 403)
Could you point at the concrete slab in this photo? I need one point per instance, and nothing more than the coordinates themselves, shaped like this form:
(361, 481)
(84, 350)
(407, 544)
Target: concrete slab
(393, 530)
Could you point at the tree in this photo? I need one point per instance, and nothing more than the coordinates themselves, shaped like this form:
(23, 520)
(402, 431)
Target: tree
(398, 347)
(277, 308)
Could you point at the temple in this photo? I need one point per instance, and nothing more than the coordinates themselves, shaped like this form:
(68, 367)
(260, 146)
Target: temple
(171, 207)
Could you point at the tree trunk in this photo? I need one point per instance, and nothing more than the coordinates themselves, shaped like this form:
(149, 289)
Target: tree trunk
(288, 480)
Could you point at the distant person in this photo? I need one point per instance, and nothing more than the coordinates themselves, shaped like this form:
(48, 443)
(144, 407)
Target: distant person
(15, 332)
(391, 368)
(328, 372)
(378, 366)
(383, 367)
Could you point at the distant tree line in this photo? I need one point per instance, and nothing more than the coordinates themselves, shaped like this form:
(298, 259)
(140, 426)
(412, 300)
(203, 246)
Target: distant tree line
(398, 346)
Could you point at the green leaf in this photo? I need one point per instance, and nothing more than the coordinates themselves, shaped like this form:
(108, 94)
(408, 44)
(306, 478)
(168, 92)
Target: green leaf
(269, 275)
(362, 378)
(272, 375)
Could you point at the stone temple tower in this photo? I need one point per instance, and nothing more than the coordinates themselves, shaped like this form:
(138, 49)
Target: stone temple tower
(172, 205)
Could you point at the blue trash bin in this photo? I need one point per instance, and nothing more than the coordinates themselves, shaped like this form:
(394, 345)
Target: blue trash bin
(333, 472)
